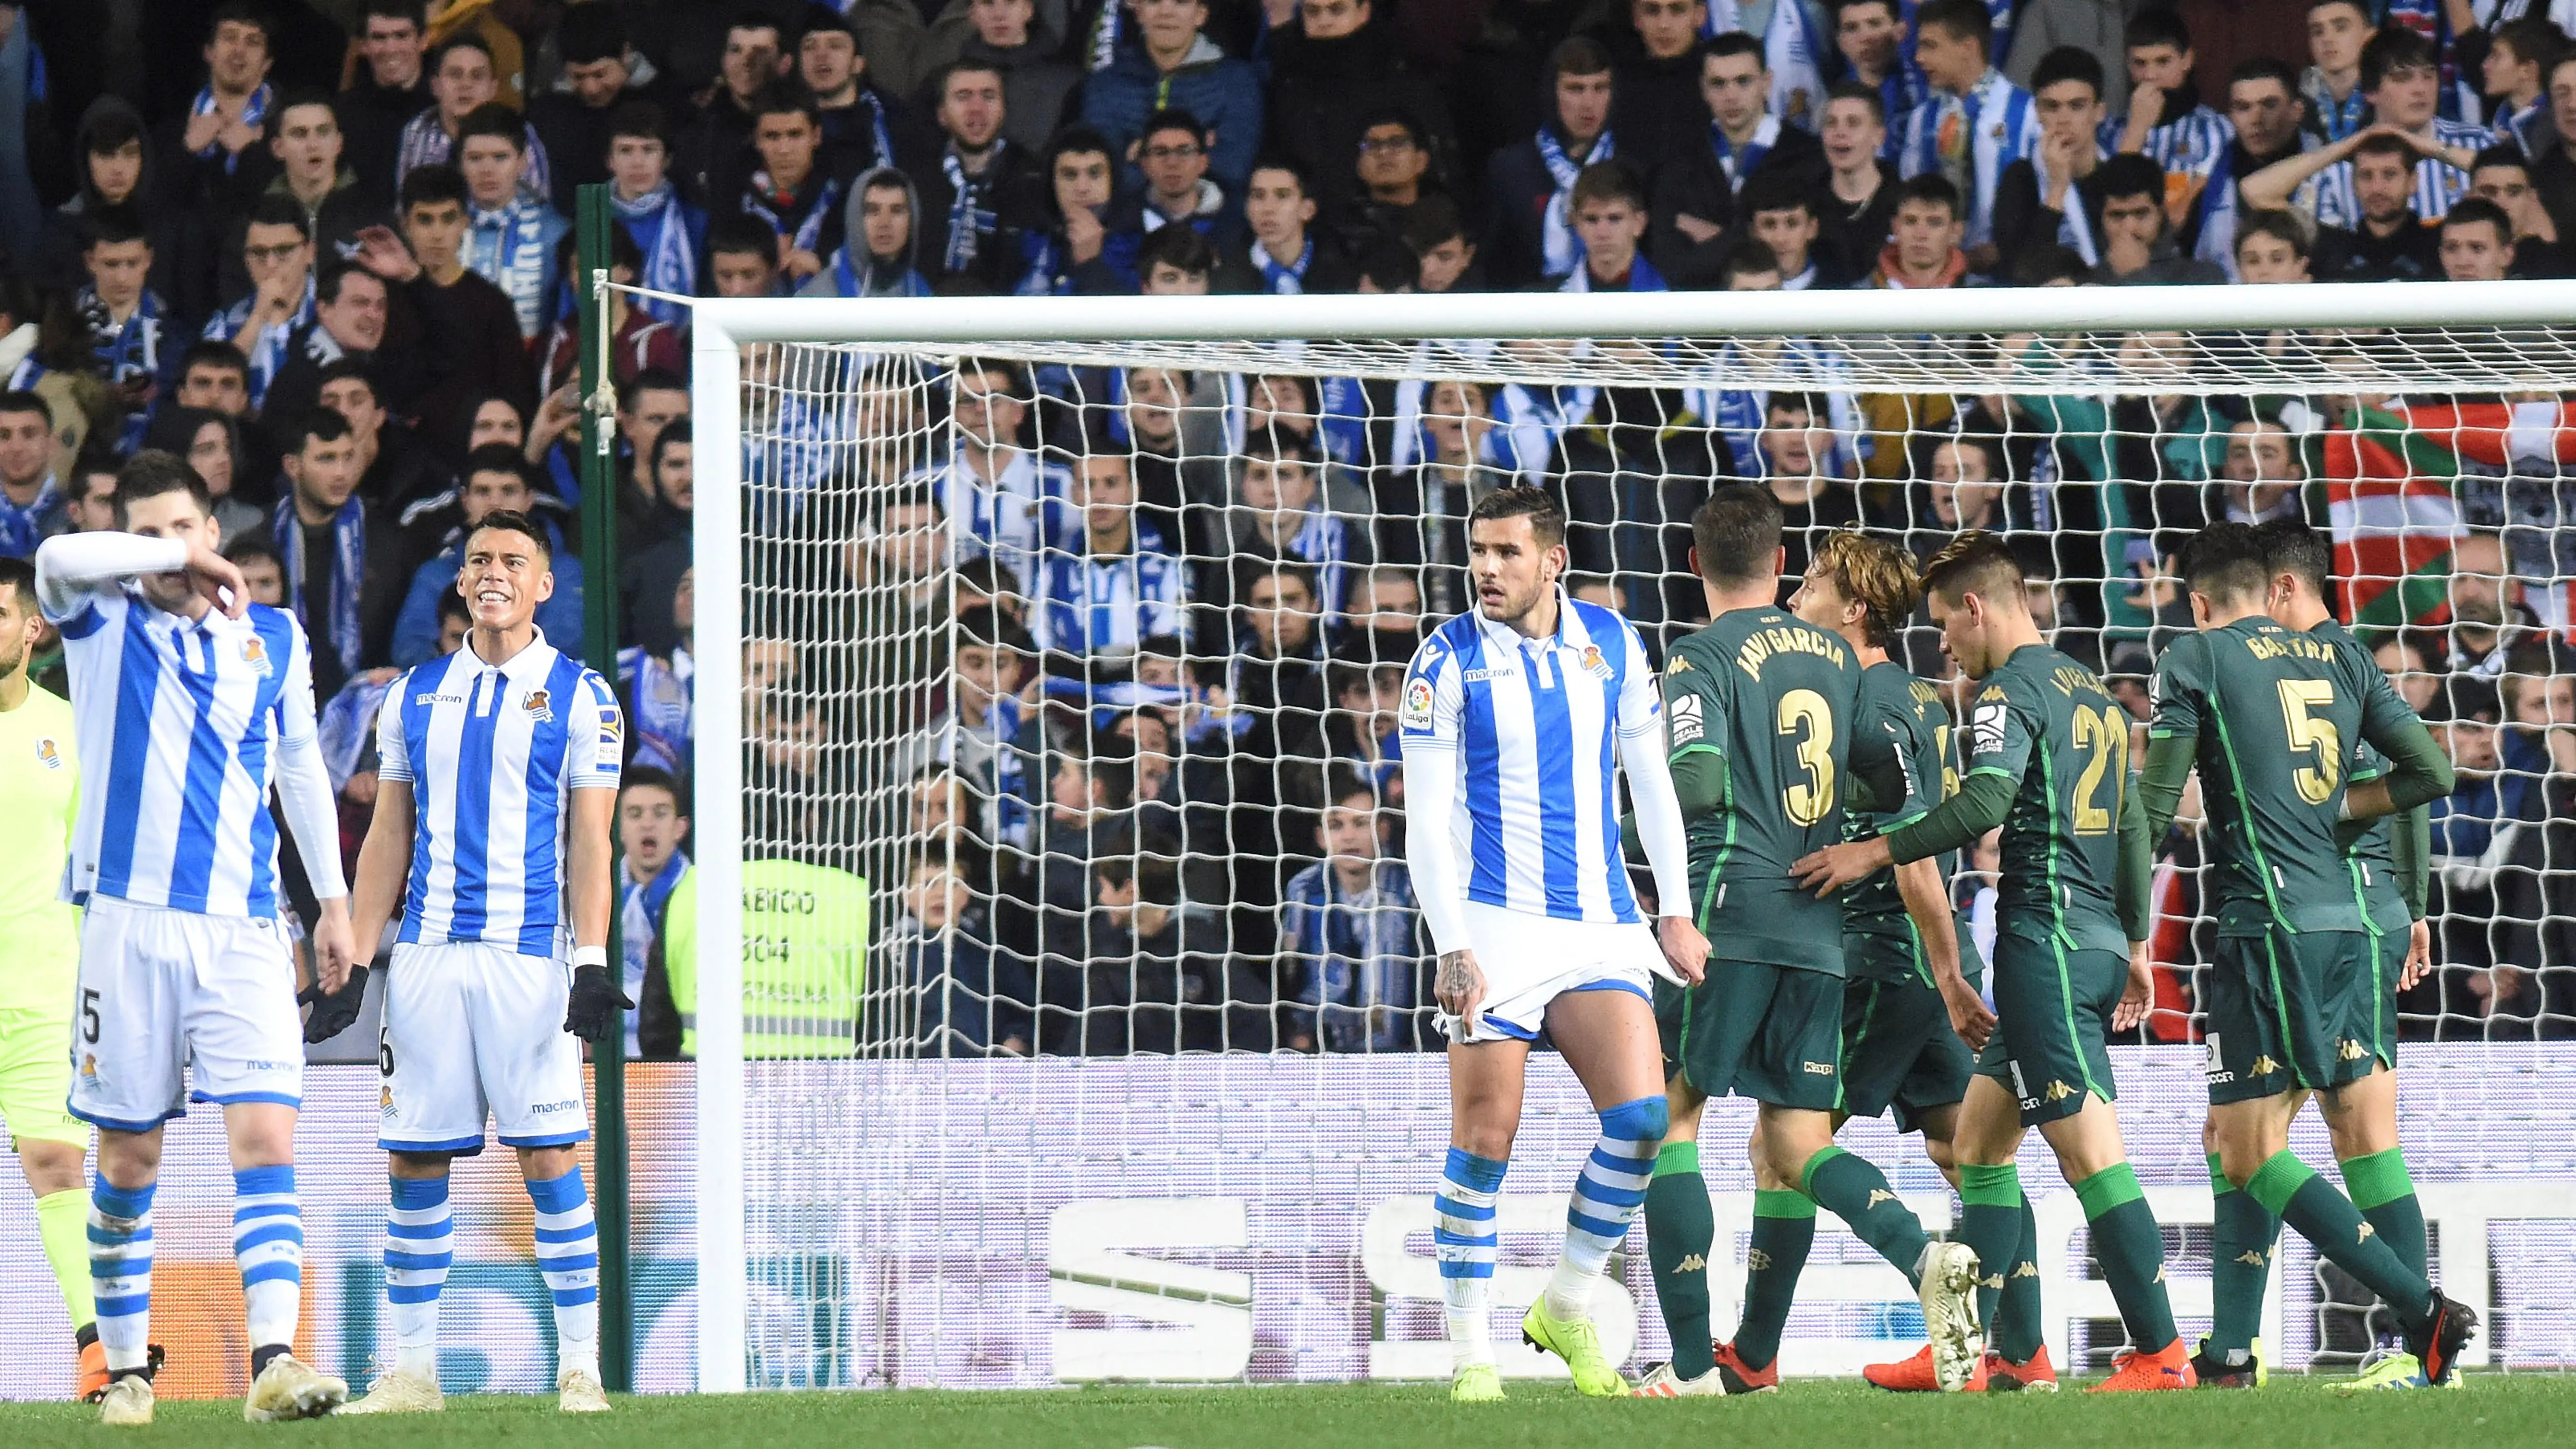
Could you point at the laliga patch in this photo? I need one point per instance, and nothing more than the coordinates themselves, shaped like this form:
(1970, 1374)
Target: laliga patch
(538, 707)
(1689, 726)
(254, 652)
(1986, 730)
(1416, 714)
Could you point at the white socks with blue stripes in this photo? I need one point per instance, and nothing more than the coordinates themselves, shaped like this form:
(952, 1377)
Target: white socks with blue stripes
(120, 1271)
(419, 1248)
(268, 1244)
(1606, 1198)
(568, 1252)
(1463, 1233)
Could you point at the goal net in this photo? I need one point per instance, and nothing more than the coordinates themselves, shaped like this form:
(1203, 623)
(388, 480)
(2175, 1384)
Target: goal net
(1074, 630)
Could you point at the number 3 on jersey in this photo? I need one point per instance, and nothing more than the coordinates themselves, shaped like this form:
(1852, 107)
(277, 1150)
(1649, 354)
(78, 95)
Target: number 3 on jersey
(1805, 716)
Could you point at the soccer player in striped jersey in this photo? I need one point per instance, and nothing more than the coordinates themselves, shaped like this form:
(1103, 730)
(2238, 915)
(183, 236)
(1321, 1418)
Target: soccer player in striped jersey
(2048, 761)
(189, 703)
(493, 808)
(1765, 746)
(1510, 716)
(2299, 991)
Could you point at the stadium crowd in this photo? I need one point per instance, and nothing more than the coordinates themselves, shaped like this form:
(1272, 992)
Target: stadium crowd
(1093, 674)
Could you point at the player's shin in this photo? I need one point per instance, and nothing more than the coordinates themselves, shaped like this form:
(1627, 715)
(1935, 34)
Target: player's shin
(2325, 1217)
(62, 1220)
(1463, 1234)
(1681, 1228)
(2242, 1235)
(1784, 1228)
(2014, 1323)
(120, 1271)
(2131, 1248)
(1990, 1223)
(1853, 1189)
(268, 1246)
(419, 1247)
(1606, 1196)
(2380, 1186)
(568, 1253)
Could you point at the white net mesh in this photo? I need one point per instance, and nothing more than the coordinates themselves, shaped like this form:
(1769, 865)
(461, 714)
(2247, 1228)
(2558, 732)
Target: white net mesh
(1078, 654)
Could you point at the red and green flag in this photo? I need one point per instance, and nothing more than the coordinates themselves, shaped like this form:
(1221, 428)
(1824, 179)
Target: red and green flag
(2392, 488)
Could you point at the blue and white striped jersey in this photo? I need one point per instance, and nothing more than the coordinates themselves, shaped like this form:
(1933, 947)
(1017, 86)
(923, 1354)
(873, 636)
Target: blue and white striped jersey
(2438, 183)
(1534, 723)
(2185, 145)
(181, 725)
(492, 756)
(1104, 606)
(1970, 140)
(1005, 516)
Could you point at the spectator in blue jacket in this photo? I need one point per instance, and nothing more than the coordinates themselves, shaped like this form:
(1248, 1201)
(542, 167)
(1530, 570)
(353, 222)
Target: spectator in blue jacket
(1174, 65)
(496, 479)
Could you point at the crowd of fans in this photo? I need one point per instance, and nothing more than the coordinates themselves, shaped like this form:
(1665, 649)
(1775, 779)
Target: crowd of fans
(1093, 673)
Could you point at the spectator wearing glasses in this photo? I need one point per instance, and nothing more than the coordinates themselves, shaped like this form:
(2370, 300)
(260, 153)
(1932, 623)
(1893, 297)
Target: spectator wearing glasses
(1337, 73)
(1172, 64)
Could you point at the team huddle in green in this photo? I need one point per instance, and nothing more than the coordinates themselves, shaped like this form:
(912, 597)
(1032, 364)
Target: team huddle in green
(1825, 806)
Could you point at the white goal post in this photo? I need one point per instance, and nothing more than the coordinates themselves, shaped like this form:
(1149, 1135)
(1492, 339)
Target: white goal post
(2495, 338)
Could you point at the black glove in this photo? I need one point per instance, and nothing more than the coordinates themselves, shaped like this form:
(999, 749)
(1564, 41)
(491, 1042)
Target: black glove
(595, 1003)
(333, 1012)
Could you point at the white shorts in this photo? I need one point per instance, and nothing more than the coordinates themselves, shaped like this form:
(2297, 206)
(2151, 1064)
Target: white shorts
(176, 1006)
(473, 1030)
(1530, 960)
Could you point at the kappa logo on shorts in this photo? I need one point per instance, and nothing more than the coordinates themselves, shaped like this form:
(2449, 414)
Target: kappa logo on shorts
(2058, 1092)
(2263, 1066)
(2348, 1050)
(1817, 1069)
(254, 652)
(538, 707)
(49, 753)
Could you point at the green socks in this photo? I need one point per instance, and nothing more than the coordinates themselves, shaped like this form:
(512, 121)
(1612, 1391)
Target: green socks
(1681, 1227)
(1858, 1193)
(62, 1220)
(2325, 1217)
(1784, 1228)
(2242, 1235)
(1990, 1214)
(2015, 1328)
(2380, 1187)
(2131, 1249)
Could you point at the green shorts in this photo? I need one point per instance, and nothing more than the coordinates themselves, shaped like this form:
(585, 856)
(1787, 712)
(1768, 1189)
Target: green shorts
(1899, 1051)
(2299, 1009)
(1771, 1033)
(2053, 1010)
(36, 1077)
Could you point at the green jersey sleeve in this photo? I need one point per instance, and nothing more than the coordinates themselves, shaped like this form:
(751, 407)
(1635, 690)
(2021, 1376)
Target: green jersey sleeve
(2181, 688)
(2003, 722)
(1696, 705)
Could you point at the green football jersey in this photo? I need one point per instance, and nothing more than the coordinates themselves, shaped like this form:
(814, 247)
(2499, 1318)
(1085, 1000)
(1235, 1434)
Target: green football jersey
(1773, 698)
(1907, 714)
(2275, 713)
(2374, 862)
(2046, 723)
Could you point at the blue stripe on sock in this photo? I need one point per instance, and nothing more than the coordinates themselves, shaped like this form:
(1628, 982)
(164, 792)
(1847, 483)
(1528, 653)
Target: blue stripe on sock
(412, 1292)
(396, 1261)
(557, 1194)
(123, 1307)
(285, 1232)
(1478, 1174)
(1456, 1209)
(271, 1272)
(575, 1264)
(575, 1297)
(421, 1232)
(119, 1202)
(568, 1235)
(1608, 1196)
(411, 1194)
(1595, 1226)
(264, 1181)
(106, 1239)
(1464, 1268)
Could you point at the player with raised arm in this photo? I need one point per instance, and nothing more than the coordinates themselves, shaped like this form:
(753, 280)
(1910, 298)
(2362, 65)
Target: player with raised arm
(1900, 938)
(189, 703)
(2048, 752)
(493, 808)
(2298, 996)
(1761, 713)
(1510, 715)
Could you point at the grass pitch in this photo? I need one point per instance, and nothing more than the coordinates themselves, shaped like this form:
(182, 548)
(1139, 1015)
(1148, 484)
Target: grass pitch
(2294, 1413)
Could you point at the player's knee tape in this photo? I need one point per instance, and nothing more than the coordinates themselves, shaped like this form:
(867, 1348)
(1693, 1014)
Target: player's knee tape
(1644, 1120)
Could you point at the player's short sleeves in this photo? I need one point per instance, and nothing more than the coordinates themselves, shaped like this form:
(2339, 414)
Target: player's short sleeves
(1696, 702)
(2183, 674)
(595, 737)
(393, 753)
(1639, 705)
(2002, 725)
(1434, 696)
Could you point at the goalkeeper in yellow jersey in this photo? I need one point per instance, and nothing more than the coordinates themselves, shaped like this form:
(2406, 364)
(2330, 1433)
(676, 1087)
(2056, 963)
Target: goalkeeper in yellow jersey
(40, 960)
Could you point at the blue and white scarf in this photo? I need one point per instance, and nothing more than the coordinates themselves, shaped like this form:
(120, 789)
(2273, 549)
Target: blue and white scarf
(348, 726)
(348, 572)
(2075, 223)
(639, 921)
(1283, 281)
(21, 529)
(1012, 801)
(661, 700)
(908, 283)
(882, 138)
(1790, 48)
(659, 223)
(2335, 118)
(1561, 248)
(1362, 954)
(254, 114)
(510, 249)
(267, 351)
(1739, 164)
(124, 351)
(969, 220)
(808, 235)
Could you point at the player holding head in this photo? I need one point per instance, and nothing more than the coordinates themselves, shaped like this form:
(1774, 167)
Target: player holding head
(189, 703)
(2299, 985)
(1913, 986)
(2048, 755)
(1508, 718)
(40, 960)
(1764, 746)
(493, 808)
